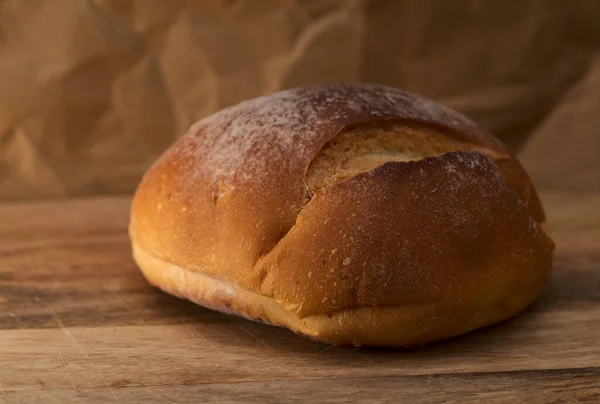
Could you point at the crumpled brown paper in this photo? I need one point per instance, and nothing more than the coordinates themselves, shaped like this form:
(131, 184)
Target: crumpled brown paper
(91, 92)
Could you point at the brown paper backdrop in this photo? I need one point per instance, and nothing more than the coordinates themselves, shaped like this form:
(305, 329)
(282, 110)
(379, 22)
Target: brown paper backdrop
(92, 91)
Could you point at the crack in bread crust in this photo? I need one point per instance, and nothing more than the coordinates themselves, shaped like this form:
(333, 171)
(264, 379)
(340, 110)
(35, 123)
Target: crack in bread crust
(362, 148)
(365, 147)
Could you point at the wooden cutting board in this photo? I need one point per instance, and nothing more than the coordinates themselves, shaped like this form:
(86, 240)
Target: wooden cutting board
(78, 323)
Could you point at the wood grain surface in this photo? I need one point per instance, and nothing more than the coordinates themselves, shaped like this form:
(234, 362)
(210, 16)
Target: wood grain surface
(78, 323)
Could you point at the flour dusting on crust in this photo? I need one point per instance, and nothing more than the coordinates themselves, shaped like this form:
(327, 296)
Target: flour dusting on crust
(242, 142)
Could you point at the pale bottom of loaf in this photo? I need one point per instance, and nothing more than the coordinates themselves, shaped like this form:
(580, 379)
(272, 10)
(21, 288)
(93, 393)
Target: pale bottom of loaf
(409, 325)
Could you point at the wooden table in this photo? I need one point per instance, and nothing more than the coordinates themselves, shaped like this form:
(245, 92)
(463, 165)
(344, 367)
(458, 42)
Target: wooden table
(78, 323)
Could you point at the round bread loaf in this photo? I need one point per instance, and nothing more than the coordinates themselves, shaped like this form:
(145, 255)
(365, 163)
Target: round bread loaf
(351, 213)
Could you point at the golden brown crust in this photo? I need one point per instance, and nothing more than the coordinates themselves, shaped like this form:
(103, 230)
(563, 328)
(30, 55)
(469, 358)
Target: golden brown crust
(434, 231)
(406, 326)
(228, 200)
(518, 179)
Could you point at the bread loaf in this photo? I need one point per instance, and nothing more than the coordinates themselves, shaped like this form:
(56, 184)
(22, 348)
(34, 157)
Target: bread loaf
(354, 214)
